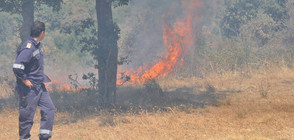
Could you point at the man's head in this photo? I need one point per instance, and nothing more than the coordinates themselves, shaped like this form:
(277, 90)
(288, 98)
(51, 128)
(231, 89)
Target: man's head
(38, 30)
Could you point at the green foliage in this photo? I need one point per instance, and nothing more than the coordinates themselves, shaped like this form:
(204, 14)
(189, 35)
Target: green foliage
(8, 36)
(14, 6)
(87, 33)
(277, 10)
(63, 33)
(240, 12)
(55, 4)
(118, 3)
(260, 30)
(93, 81)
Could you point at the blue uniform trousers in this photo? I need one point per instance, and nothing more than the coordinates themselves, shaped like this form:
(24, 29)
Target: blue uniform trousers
(29, 100)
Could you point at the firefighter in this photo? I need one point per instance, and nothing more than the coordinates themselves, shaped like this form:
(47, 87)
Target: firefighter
(29, 71)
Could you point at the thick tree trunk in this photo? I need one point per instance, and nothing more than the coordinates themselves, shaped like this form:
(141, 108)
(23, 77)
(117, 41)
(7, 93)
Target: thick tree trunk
(108, 52)
(28, 19)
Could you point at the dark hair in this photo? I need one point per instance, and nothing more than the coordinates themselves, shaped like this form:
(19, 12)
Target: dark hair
(37, 28)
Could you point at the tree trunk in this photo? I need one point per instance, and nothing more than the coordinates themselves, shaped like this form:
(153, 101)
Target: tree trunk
(108, 52)
(28, 19)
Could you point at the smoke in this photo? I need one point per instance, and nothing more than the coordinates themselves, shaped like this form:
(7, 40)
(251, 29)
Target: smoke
(163, 33)
(143, 26)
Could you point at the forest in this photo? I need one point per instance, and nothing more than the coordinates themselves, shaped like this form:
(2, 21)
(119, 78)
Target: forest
(154, 55)
(228, 35)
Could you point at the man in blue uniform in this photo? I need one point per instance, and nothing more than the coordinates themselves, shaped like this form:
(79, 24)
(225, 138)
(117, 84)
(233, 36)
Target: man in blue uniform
(29, 71)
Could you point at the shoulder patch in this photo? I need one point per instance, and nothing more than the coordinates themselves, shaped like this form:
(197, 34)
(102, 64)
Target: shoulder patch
(29, 45)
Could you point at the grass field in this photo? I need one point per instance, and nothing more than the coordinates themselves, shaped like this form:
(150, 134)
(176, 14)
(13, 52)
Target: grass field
(255, 105)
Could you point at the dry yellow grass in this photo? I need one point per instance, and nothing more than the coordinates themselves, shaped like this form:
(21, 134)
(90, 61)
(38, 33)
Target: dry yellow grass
(5, 90)
(263, 109)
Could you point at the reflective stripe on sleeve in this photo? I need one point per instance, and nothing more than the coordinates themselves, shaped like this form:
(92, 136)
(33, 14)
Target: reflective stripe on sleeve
(25, 139)
(45, 131)
(19, 66)
(36, 52)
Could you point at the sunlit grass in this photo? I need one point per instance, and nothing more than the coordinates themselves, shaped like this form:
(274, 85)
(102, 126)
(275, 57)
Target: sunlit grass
(243, 113)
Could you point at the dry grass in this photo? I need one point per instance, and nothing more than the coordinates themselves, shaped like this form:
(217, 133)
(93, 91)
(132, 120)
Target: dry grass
(5, 90)
(262, 109)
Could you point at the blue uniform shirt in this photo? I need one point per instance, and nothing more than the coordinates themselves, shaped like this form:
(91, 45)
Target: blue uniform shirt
(29, 64)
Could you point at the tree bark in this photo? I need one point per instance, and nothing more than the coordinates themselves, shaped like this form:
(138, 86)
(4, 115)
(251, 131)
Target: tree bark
(28, 19)
(108, 52)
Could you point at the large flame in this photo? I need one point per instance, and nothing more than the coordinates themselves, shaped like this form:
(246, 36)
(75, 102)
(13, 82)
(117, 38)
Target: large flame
(178, 38)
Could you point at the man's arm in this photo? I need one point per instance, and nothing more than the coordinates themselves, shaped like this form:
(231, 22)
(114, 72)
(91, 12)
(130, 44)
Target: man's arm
(19, 65)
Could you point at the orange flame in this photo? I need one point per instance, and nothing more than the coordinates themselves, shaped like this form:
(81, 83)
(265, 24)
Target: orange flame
(177, 38)
(61, 85)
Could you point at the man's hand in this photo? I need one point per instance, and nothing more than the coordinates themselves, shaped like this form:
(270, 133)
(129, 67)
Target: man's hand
(28, 83)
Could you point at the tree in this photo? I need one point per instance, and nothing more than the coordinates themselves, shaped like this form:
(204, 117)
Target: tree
(238, 13)
(107, 50)
(241, 12)
(26, 9)
(101, 42)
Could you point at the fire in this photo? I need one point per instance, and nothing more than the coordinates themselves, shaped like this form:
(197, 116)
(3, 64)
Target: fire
(62, 85)
(57, 85)
(178, 38)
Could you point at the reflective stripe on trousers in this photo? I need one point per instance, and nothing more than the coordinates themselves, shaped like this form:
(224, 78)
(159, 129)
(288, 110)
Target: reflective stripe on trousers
(45, 131)
(25, 139)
